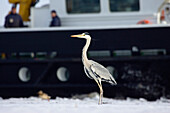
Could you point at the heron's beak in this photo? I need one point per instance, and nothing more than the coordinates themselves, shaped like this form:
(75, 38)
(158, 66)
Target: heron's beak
(76, 35)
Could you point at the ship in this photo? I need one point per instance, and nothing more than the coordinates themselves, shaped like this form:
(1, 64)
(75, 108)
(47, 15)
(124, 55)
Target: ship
(130, 38)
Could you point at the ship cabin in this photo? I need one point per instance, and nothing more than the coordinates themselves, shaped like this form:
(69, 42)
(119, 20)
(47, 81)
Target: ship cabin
(74, 13)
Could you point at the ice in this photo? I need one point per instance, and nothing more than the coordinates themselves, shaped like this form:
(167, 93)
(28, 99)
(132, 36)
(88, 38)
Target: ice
(70, 105)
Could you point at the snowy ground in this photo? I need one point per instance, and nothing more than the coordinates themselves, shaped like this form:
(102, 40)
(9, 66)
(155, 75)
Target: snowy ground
(87, 105)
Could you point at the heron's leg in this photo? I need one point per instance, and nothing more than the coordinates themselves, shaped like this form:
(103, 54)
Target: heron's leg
(101, 90)
(98, 83)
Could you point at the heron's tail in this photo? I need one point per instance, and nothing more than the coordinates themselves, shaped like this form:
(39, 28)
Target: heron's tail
(112, 81)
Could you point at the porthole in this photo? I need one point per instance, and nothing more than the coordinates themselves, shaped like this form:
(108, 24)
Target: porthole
(63, 74)
(24, 74)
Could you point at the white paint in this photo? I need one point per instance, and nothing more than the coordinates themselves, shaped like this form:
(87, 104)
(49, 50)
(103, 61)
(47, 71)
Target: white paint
(5, 7)
(83, 28)
(148, 10)
(41, 14)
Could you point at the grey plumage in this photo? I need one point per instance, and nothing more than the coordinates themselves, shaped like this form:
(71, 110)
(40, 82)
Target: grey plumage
(93, 69)
(99, 71)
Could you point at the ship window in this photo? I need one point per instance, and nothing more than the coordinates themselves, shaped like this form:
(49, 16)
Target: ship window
(82, 6)
(124, 5)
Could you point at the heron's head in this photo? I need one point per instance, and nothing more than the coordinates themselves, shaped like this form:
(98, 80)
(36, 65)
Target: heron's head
(83, 35)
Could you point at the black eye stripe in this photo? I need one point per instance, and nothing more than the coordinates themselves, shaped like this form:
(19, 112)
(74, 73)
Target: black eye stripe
(86, 33)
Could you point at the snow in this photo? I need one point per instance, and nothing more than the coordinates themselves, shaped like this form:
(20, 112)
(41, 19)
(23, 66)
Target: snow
(69, 105)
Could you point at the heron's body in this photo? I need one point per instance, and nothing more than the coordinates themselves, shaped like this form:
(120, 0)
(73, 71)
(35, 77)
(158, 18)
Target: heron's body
(93, 69)
(97, 71)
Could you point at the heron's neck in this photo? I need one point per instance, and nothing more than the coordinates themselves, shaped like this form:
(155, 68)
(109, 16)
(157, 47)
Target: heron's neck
(84, 54)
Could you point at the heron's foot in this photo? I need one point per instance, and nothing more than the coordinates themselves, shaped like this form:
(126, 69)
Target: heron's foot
(100, 103)
(100, 100)
(101, 96)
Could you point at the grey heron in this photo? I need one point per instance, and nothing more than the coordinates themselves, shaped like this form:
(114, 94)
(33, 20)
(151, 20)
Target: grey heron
(93, 69)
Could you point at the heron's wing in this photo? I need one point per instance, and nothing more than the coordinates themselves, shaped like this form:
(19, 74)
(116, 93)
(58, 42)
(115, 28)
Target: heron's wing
(87, 73)
(102, 72)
